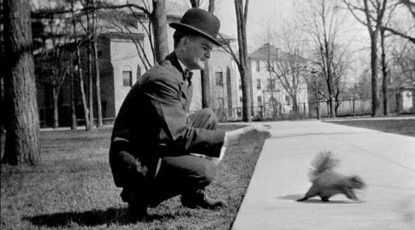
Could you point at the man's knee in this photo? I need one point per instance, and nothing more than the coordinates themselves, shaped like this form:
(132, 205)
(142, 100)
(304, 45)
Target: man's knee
(204, 118)
(126, 169)
(208, 173)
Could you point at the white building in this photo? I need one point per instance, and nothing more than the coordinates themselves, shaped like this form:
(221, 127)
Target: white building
(273, 96)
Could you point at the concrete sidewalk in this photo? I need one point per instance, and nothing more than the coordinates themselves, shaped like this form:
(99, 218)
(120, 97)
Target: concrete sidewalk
(385, 161)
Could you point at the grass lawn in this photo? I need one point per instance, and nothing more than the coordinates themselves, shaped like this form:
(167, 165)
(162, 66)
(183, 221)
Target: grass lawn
(404, 126)
(73, 188)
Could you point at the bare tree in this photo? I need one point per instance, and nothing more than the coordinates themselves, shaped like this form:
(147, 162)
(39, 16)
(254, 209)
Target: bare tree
(153, 21)
(315, 84)
(125, 22)
(52, 62)
(403, 63)
(74, 123)
(94, 46)
(373, 13)
(322, 21)
(289, 68)
(22, 138)
(241, 10)
(79, 68)
(362, 84)
(396, 29)
(90, 33)
(384, 70)
(2, 73)
(384, 56)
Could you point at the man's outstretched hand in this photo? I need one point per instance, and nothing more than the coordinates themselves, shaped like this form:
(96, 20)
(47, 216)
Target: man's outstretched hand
(236, 136)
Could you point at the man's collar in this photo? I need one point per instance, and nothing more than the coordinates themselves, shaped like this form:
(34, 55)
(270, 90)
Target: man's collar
(184, 68)
(187, 74)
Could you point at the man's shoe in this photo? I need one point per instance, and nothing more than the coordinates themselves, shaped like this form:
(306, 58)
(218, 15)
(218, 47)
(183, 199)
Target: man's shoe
(136, 211)
(198, 199)
(137, 208)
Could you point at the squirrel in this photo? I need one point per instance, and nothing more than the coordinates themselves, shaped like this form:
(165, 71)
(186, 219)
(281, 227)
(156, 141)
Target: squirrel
(327, 183)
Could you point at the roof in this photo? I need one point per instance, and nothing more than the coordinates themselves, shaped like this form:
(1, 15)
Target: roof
(121, 35)
(267, 51)
(405, 85)
(226, 37)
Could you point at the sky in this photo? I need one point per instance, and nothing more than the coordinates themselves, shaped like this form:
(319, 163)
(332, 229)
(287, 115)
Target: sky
(277, 13)
(260, 13)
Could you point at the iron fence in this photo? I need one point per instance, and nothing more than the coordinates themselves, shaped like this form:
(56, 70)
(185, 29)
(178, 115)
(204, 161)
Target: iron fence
(321, 109)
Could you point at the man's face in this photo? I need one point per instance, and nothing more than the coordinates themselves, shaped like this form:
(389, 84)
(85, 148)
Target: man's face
(196, 52)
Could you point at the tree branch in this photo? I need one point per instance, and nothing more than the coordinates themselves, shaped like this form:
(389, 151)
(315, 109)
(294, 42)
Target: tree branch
(395, 32)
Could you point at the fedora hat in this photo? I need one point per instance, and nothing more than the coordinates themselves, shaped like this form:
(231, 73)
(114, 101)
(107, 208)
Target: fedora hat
(199, 22)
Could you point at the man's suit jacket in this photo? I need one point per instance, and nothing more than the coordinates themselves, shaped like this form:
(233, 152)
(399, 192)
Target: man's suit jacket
(152, 123)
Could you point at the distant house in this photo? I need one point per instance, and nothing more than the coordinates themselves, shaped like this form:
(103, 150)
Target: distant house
(270, 97)
(121, 65)
(402, 98)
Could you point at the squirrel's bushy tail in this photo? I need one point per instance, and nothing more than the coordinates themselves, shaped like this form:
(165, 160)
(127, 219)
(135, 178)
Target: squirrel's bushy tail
(323, 162)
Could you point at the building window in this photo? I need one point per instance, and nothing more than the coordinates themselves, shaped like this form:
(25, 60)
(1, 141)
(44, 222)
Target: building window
(258, 83)
(259, 99)
(258, 67)
(271, 84)
(240, 86)
(219, 78)
(240, 99)
(127, 78)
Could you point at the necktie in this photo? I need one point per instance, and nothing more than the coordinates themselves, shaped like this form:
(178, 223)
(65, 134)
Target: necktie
(188, 76)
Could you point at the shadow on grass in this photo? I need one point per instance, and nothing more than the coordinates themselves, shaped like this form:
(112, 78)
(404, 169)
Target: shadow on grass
(91, 218)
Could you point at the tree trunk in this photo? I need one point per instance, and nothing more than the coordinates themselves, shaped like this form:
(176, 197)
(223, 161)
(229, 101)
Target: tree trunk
(73, 108)
(195, 3)
(374, 80)
(90, 87)
(330, 87)
(246, 102)
(2, 60)
(205, 73)
(206, 98)
(22, 138)
(82, 88)
(55, 98)
(90, 34)
(160, 30)
(81, 82)
(97, 84)
(241, 18)
(332, 104)
(385, 76)
(295, 107)
(211, 7)
(1, 106)
(330, 91)
(94, 56)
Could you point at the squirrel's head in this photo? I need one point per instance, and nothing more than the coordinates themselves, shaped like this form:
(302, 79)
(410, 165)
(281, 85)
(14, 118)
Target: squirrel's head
(357, 182)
